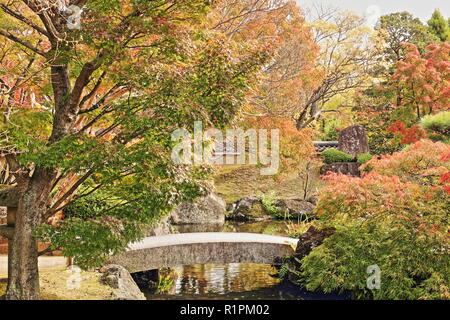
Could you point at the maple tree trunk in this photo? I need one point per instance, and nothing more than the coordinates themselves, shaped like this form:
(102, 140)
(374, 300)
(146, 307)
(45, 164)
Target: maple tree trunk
(23, 273)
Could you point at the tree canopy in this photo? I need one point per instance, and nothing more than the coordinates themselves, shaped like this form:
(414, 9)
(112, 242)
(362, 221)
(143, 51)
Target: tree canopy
(439, 26)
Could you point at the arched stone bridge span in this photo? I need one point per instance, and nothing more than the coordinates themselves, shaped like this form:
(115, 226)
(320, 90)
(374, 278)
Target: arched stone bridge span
(202, 248)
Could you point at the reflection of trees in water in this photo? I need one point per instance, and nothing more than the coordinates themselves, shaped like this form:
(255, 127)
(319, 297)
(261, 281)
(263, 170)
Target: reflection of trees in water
(253, 276)
(224, 278)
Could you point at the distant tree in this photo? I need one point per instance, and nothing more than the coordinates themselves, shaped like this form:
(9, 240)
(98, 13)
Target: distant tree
(292, 70)
(403, 27)
(349, 52)
(439, 26)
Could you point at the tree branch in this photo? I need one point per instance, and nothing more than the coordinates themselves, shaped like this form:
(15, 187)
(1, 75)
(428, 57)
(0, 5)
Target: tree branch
(94, 90)
(24, 43)
(69, 192)
(23, 19)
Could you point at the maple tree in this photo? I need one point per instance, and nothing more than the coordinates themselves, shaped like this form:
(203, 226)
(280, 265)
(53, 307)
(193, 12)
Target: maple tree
(291, 71)
(423, 81)
(418, 87)
(394, 217)
(407, 135)
(110, 92)
(235, 17)
(420, 162)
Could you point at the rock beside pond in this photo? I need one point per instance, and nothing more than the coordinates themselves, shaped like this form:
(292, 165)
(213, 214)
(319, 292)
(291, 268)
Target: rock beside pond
(146, 280)
(161, 228)
(252, 209)
(295, 208)
(307, 242)
(314, 200)
(118, 278)
(311, 239)
(208, 209)
(249, 209)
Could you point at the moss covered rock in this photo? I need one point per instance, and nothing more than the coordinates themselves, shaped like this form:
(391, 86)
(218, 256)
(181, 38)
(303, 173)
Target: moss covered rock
(249, 209)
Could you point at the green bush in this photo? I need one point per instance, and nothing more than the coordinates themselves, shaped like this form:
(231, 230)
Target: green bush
(269, 202)
(330, 132)
(334, 155)
(386, 219)
(363, 158)
(438, 124)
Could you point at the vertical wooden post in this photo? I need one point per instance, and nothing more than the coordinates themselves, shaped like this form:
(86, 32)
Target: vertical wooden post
(11, 213)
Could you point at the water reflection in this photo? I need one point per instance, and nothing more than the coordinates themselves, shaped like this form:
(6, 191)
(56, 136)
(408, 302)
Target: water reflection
(223, 278)
(234, 281)
(225, 281)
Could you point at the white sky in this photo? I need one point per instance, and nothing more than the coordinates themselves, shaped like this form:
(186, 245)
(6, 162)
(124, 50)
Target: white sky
(419, 8)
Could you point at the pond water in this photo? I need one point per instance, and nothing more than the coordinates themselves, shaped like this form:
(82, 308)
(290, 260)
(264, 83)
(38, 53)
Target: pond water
(234, 281)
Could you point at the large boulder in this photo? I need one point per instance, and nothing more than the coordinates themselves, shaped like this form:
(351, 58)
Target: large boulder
(118, 278)
(295, 208)
(208, 209)
(310, 239)
(353, 140)
(146, 280)
(249, 209)
(307, 242)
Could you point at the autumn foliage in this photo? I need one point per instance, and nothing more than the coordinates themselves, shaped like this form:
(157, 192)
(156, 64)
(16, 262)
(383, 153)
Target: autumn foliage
(296, 146)
(395, 217)
(424, 162)
(407, 135)
(424, 80)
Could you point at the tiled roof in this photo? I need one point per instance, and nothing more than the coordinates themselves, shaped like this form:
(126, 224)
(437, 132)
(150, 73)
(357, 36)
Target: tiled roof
(325, 145)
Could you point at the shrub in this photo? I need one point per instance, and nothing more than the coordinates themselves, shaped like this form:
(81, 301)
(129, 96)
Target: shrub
(331, 130)
(437, 125)
(402, 227)
(421, 162)
(269, 202)
(407, 135)
(395, 217)
(334, 155)
(363, 158)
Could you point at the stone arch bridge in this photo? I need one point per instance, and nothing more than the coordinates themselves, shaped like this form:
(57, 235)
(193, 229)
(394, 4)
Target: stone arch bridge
(203, 248)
